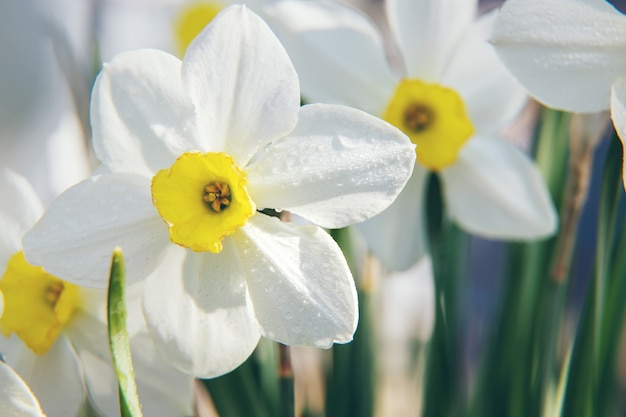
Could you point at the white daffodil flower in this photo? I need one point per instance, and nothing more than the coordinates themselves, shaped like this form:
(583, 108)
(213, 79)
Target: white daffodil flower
(16, 399)
(451, 99)
(54, 332)
(570, 55)
(190, 150)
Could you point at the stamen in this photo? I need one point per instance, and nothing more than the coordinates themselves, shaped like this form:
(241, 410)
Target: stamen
(53, 292)
(418, 117)
(217, 196)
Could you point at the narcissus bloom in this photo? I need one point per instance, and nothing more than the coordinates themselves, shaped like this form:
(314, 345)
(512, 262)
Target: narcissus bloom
(452, 98)
(54, 333)
(191, 151)
(570, 55)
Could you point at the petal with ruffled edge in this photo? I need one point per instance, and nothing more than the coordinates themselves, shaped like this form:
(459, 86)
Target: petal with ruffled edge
(142, 119)
(242, 82)
(337, 51)
(201, 321)
(55, 377)
(566, 53)
(299, 283)
(618, 114)
(76, 236)
(16, 399)
(492, 96)
(495, 191)
(338, 167)
(426, 32)
(397, 236)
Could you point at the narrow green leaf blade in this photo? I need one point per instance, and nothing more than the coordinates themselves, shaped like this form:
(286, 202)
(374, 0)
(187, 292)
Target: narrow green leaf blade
(118, 338)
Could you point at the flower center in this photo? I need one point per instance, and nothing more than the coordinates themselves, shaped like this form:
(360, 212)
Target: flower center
(203, 198)
(434, 118)
(217, 196)
(191, 20)
(36, 304)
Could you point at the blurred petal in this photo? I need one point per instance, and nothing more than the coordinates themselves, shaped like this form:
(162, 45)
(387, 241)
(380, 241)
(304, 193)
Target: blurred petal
(141, 117)
(492, 96)
(163, 389)
(618, 114)
(337, 51)
(242, 82)
(338, 167)
(397, 236)
(426, 32)
(76, 236)
(566, 53)
(201, 323)
(496, 191)
(19, 201)
(16, 399)
(55, 378)
(299, 283)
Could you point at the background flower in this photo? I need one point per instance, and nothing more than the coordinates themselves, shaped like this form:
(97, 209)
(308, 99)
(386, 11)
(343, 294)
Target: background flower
(452, 98)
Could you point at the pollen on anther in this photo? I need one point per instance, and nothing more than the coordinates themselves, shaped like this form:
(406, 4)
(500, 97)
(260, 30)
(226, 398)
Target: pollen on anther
(53, 292)
(418, 117)
(217, 196)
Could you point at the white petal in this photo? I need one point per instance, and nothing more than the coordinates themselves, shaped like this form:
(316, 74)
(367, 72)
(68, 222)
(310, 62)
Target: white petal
(337, 52)
(142, 119)
(10, 240)
(55, 377)
(618, 114)
(426, 32)
(492, 96)
(299, 283)
(240, 77)
(76, 236)
(16, 399)
(566, 53)
(495, 191)
(20, 207)
(338, 167)
(19, 200)
(397, 236)
(163, 389)
(195, 307)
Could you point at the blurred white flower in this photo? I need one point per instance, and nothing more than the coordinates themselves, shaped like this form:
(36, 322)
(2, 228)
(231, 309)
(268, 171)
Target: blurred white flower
(49, 323)
(169, 25)
(190, 150)
(16, 399)
(40, 134)
(570, 55)
(452, 99)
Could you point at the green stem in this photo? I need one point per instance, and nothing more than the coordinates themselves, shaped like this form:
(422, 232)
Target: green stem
(590, 350)
(447, 248)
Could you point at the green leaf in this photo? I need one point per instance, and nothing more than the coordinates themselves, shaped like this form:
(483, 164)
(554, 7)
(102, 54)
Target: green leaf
(118, 338)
